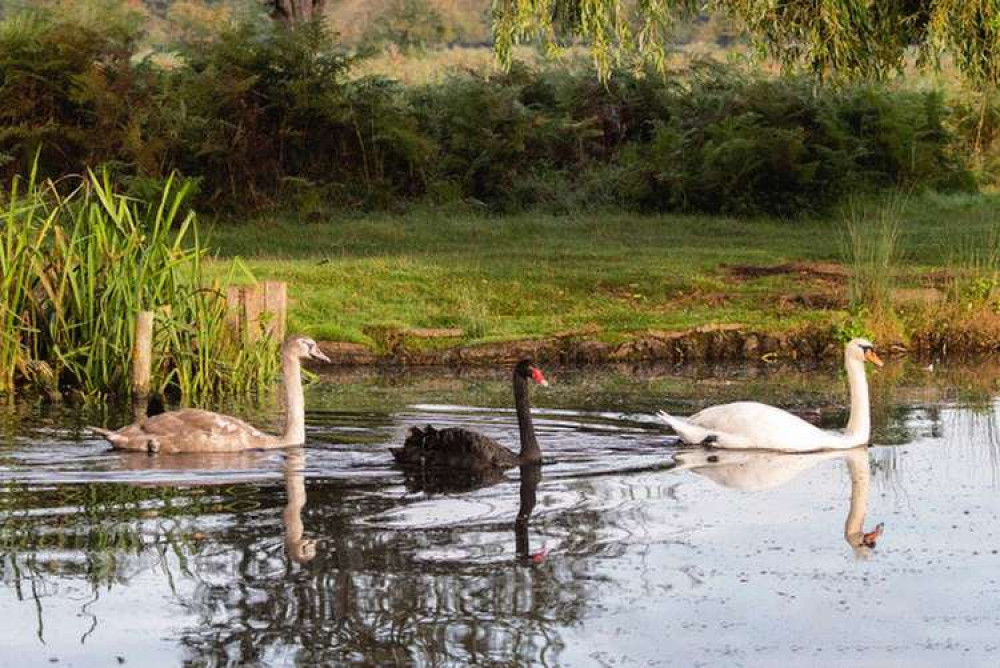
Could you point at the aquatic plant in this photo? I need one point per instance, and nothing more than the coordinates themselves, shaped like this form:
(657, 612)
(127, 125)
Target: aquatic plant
(78, 261)
(975, 267)
(871, 251)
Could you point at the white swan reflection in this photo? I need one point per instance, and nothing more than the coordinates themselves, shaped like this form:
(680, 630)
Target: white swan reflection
(752, 471)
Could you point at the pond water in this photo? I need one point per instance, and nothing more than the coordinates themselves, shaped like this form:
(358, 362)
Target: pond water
(636, 551)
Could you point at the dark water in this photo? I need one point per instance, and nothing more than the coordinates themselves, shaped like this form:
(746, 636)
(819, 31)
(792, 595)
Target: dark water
(635, 552)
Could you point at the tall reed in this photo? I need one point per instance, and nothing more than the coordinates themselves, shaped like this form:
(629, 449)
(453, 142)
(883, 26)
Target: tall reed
(975, 268)
(871, 251)
(77, 264)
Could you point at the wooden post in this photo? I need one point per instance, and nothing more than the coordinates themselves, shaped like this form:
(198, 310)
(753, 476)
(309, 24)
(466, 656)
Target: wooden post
(275, 306)
(257, 310)
(142, 362)
(234, 311)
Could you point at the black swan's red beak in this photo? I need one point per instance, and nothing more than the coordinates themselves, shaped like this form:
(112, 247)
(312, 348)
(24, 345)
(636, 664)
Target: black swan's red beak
(538, 376)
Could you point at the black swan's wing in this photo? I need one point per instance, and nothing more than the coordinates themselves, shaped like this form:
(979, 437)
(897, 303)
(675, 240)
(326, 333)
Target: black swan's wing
(453, 448)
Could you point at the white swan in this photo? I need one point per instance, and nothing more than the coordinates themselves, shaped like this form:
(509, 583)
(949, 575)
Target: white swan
(752, 425)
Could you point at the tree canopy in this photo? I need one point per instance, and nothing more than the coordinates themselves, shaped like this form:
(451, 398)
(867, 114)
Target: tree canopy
(834, 38)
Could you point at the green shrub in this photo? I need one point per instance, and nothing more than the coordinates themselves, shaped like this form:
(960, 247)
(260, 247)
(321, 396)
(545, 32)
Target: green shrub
(265, 115)
(743, 145)
(71, 94)
(408, 24)
(899, 138)
(481, 130)
(260, 103)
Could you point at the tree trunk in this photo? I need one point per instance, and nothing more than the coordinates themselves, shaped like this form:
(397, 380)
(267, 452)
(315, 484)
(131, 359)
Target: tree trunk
(296, 11)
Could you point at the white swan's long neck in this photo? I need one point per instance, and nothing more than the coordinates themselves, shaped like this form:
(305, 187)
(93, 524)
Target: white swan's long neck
(860, 471)
(859, 425)
(295, 412)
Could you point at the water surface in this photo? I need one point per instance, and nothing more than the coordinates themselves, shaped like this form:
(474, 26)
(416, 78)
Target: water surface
(634, 551)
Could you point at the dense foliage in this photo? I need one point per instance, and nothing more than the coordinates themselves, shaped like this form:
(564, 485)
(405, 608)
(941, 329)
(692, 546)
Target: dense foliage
(267, 114)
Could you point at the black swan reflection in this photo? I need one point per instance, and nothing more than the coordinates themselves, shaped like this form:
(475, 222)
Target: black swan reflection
(531, 475)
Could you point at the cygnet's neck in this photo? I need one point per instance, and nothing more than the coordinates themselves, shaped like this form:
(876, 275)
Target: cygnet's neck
(859, 424)
(295, 417)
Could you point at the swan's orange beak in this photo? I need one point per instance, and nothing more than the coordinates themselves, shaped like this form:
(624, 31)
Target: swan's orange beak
(869, 539)
(870, 356)
(538, 376)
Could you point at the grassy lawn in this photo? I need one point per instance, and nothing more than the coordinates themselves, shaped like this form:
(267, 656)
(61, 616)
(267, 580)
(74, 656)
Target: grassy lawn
(609, 274)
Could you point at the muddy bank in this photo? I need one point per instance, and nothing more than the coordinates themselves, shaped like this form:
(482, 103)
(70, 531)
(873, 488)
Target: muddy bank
(704, 345)
(719, 343)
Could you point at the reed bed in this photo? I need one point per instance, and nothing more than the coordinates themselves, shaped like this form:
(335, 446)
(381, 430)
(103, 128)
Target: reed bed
(78, 261)
(871, 252)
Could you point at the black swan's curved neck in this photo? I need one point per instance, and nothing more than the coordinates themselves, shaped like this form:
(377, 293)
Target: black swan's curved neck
(530, 452)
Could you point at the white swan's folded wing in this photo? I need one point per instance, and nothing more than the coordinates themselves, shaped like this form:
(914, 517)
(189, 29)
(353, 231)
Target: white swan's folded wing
(748, 424)
(695, 434)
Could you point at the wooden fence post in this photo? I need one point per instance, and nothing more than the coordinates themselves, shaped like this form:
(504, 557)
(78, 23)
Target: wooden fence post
(142, 362)
(258, 310)
(276, 308)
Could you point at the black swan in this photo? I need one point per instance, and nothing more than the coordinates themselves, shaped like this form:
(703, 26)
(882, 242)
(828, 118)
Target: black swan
(464, 450)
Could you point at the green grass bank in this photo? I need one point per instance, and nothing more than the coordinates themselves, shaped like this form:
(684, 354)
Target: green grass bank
(422, 285)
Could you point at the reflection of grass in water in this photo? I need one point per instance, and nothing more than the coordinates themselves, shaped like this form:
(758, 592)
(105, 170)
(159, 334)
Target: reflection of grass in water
(110, 517)
(971, 428)
(112, 523)
(886, 466)
(115, 530)
(962, 416)
(974, 394)
(974, 422)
